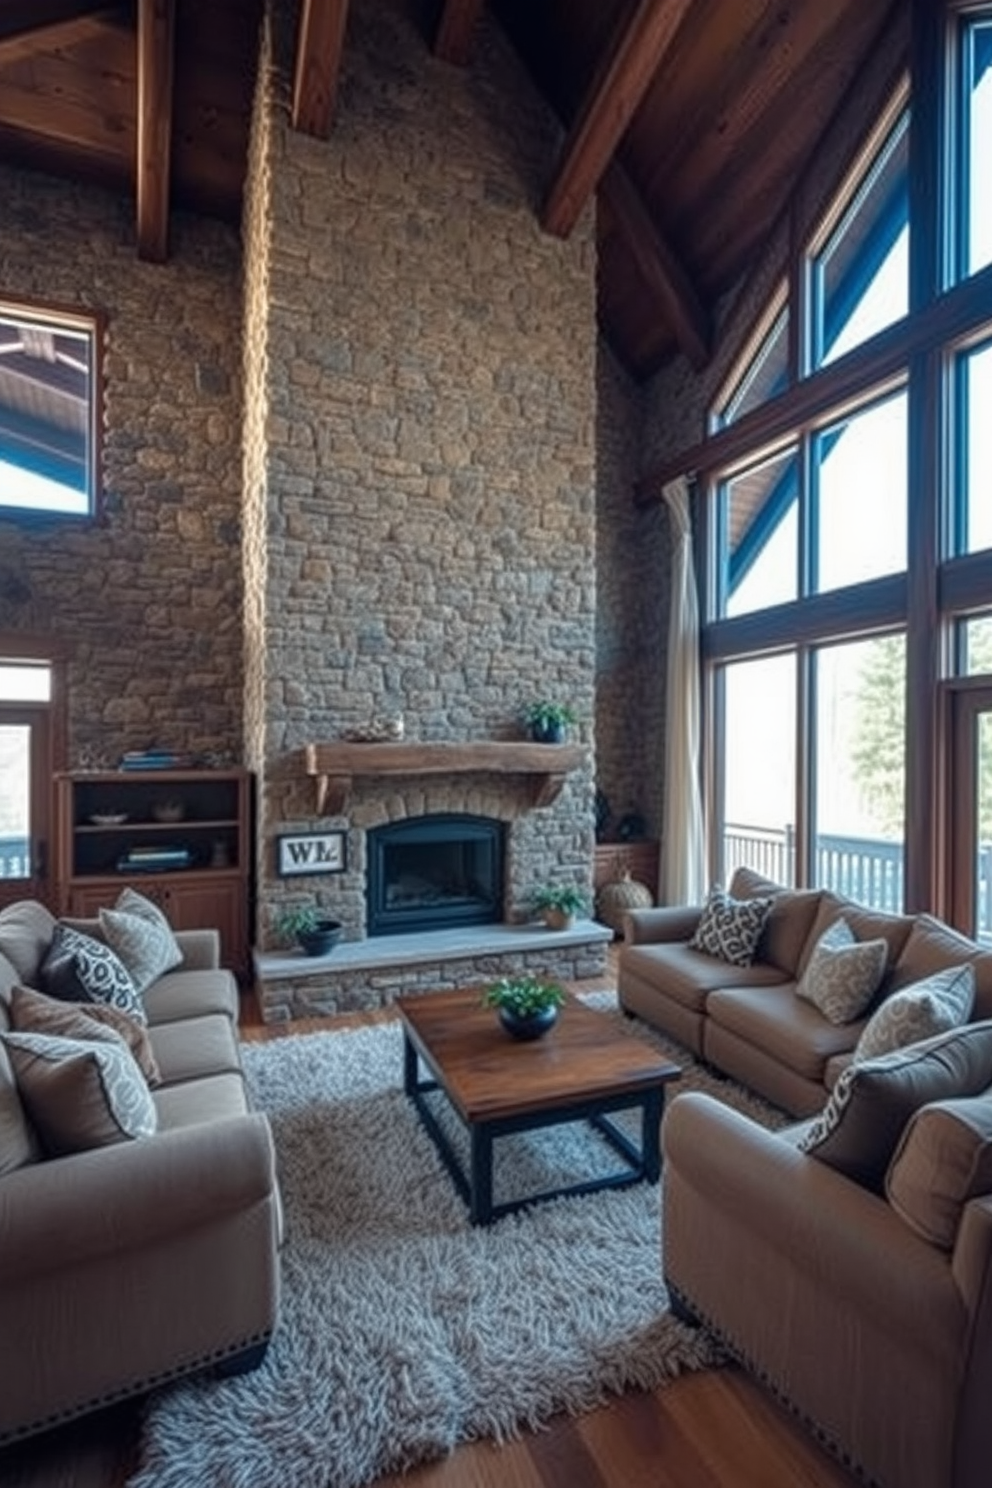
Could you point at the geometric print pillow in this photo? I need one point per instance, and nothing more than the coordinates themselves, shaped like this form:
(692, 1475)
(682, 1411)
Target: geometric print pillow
(79, 968)
(80, 1094)
(843, 973)
(730, 928)
(941, 1001)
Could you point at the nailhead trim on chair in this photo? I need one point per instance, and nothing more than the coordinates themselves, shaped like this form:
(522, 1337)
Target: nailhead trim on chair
(138, 1387)
(822, 1435)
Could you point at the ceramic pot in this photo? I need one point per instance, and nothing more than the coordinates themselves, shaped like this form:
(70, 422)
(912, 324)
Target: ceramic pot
(547, 733)
(529, 1026)
(558, 919)
(321, 939)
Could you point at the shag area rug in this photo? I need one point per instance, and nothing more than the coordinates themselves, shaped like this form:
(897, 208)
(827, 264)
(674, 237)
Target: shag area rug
(403, 1329)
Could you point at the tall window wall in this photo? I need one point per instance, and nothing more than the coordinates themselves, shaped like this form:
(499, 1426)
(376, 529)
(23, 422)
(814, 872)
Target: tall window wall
(847, 497)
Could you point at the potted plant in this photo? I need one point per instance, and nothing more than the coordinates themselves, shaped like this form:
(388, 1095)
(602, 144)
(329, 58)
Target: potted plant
(527, 1005)
(548, 722)
(315, 933)
(558, 904)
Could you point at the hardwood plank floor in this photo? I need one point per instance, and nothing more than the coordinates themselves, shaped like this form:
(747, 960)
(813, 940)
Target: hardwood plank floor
(717, 1429)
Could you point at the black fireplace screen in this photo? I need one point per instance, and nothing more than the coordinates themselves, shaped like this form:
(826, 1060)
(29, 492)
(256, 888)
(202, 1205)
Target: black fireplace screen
(434, 872)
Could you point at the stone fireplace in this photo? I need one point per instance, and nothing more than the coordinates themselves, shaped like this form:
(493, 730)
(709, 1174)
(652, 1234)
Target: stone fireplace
(420, 473)
(433, 873)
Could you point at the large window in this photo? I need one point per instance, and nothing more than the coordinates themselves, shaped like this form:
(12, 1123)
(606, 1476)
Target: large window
(849, 575)
(50, 415)
(858, 278)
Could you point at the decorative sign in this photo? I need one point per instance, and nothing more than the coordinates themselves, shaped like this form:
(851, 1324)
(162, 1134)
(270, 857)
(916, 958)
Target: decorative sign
(310, 852)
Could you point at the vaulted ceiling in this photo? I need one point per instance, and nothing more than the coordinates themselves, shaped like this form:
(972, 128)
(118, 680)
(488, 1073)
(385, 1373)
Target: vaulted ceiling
(689, 121)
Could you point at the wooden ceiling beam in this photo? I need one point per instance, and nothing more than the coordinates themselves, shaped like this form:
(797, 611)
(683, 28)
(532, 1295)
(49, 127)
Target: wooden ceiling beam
(156, 58)
(659, 266)
(21, 18)
(615, 96)
(319, 47)
(456, 30)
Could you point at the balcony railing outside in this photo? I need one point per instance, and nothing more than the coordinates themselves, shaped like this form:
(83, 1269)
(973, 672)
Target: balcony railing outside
(15, 857)
(866, 869)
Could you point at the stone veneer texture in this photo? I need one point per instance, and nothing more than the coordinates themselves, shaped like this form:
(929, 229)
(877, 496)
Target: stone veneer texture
(632, 607)
(429, 385)
(147, 602)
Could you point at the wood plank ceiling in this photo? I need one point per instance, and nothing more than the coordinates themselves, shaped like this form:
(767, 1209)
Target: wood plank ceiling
(689, 121)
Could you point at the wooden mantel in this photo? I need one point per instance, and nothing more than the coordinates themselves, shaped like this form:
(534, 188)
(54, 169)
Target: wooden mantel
(335, 766)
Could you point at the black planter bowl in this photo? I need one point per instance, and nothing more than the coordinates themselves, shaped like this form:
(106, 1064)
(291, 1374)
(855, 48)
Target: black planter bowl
(529, 1025)
(321, 939)
(548, 733)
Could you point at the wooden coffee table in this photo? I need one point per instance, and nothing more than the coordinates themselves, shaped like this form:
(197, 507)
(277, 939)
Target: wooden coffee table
(583, 1069)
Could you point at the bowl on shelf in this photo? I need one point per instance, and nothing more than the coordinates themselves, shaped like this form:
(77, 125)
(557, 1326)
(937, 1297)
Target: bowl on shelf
(108, 818)
(168, 811)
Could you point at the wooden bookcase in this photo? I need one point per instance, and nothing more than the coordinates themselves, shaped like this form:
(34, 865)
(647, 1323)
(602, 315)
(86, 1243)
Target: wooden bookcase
(197, 822)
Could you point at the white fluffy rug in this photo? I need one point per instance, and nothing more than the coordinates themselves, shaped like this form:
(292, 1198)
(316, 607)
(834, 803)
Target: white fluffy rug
(404, 1330)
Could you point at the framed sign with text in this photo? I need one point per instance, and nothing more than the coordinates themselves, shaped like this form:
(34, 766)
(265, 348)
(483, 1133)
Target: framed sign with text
(310, 852)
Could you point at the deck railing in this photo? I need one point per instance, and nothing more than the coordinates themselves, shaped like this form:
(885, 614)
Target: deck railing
(15, 857)
(867, 869)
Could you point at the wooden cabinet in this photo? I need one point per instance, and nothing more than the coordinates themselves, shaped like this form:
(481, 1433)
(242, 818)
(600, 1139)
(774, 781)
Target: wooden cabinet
(180, 837)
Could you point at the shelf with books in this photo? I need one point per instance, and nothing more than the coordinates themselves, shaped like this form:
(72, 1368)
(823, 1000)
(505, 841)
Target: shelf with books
(182, 837)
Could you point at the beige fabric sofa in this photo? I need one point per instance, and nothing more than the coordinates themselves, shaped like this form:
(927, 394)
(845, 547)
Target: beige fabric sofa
(878, 1339)
(746, 1020)
(130, 1264)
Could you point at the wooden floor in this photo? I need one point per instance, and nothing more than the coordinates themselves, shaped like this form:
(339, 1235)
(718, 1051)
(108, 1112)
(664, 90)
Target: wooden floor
(716, 1429)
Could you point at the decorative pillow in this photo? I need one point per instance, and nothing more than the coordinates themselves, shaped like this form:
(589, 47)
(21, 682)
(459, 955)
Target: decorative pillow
(944, 1158)
(34, 1012)
(939, 1002)
(144, 942)
(18, 1143)
(842, 974)
(859, 1127)
(730, 928)
(80, 1094)
(79, 968)
(26, 929)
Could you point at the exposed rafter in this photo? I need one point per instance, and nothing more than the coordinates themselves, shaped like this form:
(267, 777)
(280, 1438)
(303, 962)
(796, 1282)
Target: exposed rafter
(33, 18)
(456, 30)
(319, 46)
(659, 265)
(602, 120)
(156, 50)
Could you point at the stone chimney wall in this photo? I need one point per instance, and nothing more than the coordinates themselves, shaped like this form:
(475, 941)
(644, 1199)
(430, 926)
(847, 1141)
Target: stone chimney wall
(420, 391)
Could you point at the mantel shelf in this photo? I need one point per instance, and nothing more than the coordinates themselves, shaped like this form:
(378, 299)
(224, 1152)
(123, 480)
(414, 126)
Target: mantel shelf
(335, 766)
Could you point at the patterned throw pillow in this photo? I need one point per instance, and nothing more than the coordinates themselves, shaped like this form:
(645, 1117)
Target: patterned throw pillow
(80, 1094)
(730, 928)
(142, 937)
(79, 968)
(34, 1012)
(859, 1127)
(937, 1003)
(843, 973)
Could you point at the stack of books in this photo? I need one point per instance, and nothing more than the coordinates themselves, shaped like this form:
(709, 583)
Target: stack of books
(154, 859)
(154, 759)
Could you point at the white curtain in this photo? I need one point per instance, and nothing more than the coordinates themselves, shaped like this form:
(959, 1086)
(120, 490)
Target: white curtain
(683, 849)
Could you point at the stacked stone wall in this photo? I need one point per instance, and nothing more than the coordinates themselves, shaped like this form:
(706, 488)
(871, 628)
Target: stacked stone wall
(430, 435)
(146, 603)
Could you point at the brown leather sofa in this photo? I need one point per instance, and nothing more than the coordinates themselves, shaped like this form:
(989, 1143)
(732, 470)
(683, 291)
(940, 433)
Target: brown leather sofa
(747, 1020)
(131, 1264)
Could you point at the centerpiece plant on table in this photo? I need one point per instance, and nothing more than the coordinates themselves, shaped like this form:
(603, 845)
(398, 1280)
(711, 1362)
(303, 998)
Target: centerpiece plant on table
(527, 1005)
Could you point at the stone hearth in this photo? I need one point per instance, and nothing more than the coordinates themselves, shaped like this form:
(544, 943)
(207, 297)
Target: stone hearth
(372, 973)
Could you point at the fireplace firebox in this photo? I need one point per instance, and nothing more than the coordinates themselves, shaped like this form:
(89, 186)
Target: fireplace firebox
(434, 872)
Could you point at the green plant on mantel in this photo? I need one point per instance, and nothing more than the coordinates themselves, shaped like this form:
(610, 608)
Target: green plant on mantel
(524, 995)
(545, 716)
